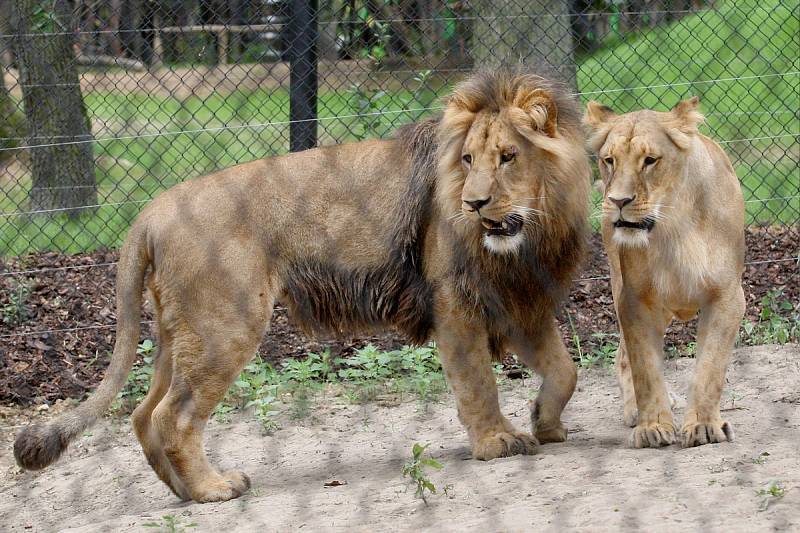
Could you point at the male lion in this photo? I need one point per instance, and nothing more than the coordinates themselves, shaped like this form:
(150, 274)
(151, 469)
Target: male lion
(673, 227)
(466, 229)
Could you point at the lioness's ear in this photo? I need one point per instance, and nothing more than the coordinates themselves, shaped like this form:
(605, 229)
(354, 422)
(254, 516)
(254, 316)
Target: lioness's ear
(687, 115)
(597, 114)
(684, 121)
(541, 109)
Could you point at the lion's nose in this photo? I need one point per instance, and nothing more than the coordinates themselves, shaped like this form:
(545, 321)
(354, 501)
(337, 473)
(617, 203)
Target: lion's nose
(622, 202)
(477, 204)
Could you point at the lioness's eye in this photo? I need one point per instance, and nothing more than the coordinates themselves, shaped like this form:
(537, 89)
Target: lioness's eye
(609, 161)
(649, 161)
(506, 157)
(467, 159)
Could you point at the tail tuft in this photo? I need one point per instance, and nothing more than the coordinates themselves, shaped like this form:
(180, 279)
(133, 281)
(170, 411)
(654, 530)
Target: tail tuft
(39, 445)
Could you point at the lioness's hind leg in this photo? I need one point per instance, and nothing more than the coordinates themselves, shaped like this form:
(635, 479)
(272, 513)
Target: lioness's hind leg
(716, 334)
(548, 356)
(625, 377)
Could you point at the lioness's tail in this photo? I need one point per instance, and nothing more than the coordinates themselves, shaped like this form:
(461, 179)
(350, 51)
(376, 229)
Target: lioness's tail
(39, 445)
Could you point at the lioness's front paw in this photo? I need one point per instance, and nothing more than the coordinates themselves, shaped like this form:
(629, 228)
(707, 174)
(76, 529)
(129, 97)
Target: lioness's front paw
(699, 433)
(652, 435)
(504, 445)
(231, 484)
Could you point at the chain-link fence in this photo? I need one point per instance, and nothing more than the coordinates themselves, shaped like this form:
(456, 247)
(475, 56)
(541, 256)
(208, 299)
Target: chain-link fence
(106, 103)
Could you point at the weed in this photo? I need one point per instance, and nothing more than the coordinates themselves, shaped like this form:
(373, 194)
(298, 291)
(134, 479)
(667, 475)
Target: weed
(415, 469)
(769, 495)
(16, 310)
(170, 524)
(603, 350)
(778, 322)
(761, 459)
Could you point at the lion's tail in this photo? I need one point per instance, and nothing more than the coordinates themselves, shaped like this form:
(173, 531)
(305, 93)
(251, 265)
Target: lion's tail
(39, 445)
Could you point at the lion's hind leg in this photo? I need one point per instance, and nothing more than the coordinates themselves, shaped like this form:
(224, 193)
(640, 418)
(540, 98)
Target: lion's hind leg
(546, 354)
(141, 419)
(204, 369)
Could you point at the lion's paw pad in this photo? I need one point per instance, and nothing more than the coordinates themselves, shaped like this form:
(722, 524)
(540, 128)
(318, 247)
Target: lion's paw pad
(699, 433)
(505, 445)
(653, 435)
(553, 434)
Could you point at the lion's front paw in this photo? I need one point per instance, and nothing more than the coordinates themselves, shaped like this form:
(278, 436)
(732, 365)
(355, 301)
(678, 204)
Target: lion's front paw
(699, 433)
(652, 435)
(229, 485)
(504, 444)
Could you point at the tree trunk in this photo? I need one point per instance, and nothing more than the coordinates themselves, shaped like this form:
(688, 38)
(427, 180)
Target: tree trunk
(63, 175)
(534, 33)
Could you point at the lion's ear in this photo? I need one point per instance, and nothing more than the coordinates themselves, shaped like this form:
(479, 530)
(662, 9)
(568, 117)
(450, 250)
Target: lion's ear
(598, 114)
(541, 110)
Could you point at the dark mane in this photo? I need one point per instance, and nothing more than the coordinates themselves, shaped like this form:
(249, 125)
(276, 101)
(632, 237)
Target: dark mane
(331, 298)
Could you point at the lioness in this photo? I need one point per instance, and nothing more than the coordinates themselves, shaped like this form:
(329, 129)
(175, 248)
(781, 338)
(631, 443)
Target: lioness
(673, 227)
(466, 229)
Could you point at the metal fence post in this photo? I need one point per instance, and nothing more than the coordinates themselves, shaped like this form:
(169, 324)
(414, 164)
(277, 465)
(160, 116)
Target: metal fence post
(302, 44)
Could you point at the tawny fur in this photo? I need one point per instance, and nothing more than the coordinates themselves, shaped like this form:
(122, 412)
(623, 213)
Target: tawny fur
(692, 260)
(365, 235)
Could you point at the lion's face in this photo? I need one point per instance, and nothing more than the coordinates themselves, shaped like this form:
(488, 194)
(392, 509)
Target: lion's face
(642, 156)
(504, 161)
(499, 188)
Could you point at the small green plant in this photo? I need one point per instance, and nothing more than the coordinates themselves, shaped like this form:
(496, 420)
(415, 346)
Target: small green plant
(16, 310)
(603, 350)
(769, 495)
(778, 321)
(761, 459)
(366, 105)
(170, 524)
(415, 469)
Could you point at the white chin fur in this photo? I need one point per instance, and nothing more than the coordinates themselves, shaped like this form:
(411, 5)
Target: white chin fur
(500, 244)
(633, 238)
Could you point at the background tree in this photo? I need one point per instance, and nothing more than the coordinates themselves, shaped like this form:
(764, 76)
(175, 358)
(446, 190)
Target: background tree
(536, 32)
(63, 174)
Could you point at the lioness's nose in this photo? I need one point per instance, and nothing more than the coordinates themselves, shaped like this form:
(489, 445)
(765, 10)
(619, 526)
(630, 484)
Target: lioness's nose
(477, 204)
(621, 202)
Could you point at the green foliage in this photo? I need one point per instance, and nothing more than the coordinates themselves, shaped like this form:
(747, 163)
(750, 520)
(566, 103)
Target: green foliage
(778, 321)
(415, 469)
(16, 310)
(770, 494)
(170, 524)
(44, 18)
(603, 350)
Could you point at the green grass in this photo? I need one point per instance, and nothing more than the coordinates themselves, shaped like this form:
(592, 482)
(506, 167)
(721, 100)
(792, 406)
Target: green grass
(739, 39)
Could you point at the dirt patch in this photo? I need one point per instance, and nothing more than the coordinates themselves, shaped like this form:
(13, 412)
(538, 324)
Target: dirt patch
(593, 482)
(43, 367)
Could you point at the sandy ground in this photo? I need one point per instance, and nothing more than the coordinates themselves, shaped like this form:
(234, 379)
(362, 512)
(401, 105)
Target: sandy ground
(593, 482)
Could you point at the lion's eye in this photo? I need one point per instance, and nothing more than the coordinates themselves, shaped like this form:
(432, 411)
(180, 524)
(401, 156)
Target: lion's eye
(649, 160)
(609, 161)
(467, 159)
(507, 157)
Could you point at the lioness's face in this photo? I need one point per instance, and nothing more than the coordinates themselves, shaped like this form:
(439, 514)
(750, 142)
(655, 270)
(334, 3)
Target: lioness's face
(500, 188)
(641, 158)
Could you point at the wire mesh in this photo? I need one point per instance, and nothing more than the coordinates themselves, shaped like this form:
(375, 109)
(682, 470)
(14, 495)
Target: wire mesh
(104, 104)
